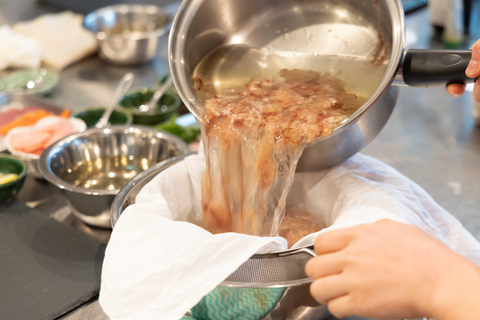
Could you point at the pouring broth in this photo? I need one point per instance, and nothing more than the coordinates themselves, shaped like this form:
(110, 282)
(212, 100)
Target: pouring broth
(234, 65)
(253, 137)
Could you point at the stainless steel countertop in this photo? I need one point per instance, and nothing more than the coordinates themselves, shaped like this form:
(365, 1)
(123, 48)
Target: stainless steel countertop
(90, 82)
(431, 137)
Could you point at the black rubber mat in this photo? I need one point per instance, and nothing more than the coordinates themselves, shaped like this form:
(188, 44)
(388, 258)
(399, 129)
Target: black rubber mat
(46, 268)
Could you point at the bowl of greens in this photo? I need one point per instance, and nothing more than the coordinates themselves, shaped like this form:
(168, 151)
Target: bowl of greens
(165, 108)
(119, 116)
(12, 176)
(188, 133)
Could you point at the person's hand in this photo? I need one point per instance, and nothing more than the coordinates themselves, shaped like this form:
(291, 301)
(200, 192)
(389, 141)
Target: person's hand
(392, 270)
(473, 71)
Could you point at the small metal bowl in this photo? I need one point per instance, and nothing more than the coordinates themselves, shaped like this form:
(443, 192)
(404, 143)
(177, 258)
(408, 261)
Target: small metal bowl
(128, 34)
(91, 167)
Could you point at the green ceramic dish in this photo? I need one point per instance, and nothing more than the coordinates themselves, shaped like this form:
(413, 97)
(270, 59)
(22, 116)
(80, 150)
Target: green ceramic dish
(29, 81)
(9, 164)
(166, 107)
(120, 116)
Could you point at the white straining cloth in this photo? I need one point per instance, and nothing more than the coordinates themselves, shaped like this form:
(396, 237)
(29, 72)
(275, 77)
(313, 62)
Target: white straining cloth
(156, 268)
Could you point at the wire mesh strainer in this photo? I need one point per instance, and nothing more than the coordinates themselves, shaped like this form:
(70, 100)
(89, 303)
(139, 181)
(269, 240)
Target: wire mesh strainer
(273, 269)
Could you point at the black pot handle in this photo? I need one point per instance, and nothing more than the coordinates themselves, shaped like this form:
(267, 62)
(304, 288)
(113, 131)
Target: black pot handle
(425, 68)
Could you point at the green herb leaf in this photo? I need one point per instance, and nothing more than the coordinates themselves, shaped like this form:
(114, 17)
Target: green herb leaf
(188, 134)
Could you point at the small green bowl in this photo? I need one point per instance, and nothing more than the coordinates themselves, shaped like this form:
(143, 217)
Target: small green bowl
(166, 107)
(9, 164)
(120, 116)
(43, 81)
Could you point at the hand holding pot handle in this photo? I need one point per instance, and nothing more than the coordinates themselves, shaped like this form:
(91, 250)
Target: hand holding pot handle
(425, 68)
(473, 71)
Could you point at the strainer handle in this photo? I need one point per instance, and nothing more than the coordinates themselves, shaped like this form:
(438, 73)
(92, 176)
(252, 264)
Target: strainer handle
(309, 250)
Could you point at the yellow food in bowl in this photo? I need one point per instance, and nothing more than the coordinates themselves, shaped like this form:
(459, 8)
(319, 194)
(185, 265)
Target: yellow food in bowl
(7, 177)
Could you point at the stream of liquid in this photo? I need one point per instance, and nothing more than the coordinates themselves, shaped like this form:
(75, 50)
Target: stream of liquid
(255, 129)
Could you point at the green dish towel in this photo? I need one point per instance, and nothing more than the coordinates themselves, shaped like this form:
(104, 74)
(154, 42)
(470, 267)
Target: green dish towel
(225, 303)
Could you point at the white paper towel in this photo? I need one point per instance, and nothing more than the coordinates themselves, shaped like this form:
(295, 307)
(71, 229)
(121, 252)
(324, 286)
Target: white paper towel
(156, 268)
(18, 51)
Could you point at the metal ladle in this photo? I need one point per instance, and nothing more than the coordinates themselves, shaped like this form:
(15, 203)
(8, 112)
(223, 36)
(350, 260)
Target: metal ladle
(120, 91)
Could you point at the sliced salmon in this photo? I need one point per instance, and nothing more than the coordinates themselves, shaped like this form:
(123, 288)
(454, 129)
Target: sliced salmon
(38, 139)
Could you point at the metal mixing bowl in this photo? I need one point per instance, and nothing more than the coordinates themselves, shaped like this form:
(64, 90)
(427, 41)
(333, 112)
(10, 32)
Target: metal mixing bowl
(91, 167)
(128, 34)
(287, 299)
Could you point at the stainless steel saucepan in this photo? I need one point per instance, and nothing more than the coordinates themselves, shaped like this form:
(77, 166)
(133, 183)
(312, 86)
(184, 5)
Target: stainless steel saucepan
(359, 41)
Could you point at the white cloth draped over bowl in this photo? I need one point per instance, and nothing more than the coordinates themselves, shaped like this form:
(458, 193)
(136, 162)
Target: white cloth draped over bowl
(158, 266)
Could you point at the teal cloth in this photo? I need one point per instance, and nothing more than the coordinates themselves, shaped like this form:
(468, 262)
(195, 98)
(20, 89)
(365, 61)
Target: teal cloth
(225, 303)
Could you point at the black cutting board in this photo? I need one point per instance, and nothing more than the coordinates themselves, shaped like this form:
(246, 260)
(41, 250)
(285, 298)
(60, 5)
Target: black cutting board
(46, 268)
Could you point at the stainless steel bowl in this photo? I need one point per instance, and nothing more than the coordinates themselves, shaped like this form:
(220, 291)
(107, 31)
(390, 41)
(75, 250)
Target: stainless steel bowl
(91, 167)
(128, 34)
(288, 299)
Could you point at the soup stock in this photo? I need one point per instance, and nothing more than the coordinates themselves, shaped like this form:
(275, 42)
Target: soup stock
(261, 108)
(342, 37)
